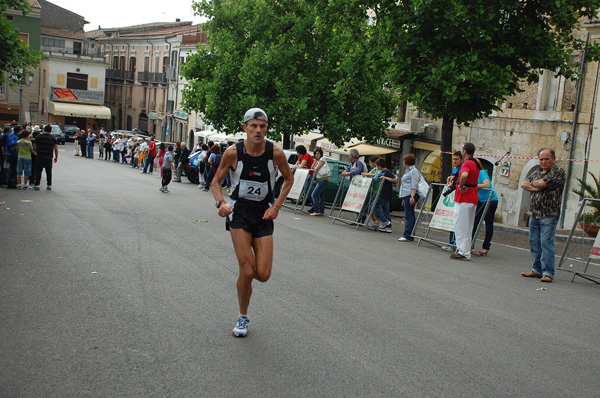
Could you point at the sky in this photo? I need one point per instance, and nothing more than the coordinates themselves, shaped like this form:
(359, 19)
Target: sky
(119, 13)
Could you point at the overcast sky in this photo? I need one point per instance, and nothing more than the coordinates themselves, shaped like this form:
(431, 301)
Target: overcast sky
(119, 13)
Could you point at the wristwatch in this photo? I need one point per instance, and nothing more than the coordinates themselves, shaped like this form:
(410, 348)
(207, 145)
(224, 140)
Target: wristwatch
(219, 202)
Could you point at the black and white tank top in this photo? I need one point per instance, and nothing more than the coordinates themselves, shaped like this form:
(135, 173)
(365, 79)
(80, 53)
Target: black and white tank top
(254, 177)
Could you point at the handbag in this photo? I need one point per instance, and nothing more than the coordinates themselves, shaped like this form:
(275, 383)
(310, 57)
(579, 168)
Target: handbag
(324, 171)
(423, 188)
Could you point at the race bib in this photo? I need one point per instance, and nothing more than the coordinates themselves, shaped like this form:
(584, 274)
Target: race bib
(253, 190)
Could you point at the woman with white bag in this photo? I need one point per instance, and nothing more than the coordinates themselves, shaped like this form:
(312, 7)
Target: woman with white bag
(322, 177)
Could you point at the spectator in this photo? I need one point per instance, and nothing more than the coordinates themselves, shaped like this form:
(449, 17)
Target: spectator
(484, 190)
(167, 169)
(201, 165)
(409, 195)
(162, 151)
(101, 142)
(24, 149)
(91, 139)
(214, 160)
(465, 203)
(375, 222)
(382, 205)
(136, 155)
(546, 187)
(12, 155)
(108, 147)
(322, 177)
(150, 155)
(457, 162)
(82, 139)
(183, 161)
(177, 153)
(44, 144)
(4, 171)
(356, 165)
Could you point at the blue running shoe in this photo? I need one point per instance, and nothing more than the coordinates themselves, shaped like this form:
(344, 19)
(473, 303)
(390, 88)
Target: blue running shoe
(241, 327)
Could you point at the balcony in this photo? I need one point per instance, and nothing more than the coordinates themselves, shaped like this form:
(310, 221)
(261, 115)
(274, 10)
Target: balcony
(114, 74)
(158, 78)
(144, 77)
(170, 106)
(128, 76)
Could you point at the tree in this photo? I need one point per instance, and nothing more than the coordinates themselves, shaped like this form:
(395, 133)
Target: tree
(457, 59)
(15, 56)
(293, 59)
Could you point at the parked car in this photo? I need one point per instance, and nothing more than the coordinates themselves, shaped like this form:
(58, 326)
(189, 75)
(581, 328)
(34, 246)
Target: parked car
(58, 134)
(70, 130)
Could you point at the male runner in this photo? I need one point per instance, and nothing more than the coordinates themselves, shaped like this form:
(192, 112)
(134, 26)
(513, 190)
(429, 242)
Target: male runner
(251, 208)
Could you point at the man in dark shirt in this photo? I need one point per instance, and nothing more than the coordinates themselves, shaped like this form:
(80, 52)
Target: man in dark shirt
(546, 187)
(183, 161)
(83, 142)
(45, 145)
(3, 170)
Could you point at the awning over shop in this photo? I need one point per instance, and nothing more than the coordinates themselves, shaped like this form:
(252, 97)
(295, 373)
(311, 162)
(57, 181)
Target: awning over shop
(367, 150)
(78, 110)
(307, 139)
(205, 133)
(236, 137)
(426, 146)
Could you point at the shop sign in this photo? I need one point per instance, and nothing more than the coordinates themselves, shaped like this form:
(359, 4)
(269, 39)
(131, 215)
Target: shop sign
(73, 94)
(389, 142)
(180, 114)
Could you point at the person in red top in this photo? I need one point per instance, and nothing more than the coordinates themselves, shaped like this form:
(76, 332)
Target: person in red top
(465, 203)
(305, 160)
(151, 154)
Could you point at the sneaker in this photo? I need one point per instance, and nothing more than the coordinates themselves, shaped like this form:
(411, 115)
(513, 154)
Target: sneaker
(387, 230)
(49, 188)
(19, 188)
(403, 239)
(25, 188)
(36, 187)
(241, 327)
(167, 190)
(374, 224)
(161, 189)
(315, 214)
(143, 172)
(150, 173)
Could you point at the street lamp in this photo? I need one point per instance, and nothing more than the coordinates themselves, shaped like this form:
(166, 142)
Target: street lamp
(21, 82)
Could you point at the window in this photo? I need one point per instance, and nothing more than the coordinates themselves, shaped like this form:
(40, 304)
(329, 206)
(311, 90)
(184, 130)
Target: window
(76, 47)
(24, 37)
(78, 81)
(132, 64)
(49, 42)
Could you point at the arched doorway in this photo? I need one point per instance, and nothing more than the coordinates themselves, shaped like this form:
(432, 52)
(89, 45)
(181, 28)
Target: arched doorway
(523, 196)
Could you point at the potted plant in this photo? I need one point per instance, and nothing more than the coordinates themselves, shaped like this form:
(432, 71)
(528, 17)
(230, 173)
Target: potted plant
(590, 222)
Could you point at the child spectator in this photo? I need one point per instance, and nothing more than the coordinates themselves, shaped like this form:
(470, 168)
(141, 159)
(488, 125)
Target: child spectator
(25, 149)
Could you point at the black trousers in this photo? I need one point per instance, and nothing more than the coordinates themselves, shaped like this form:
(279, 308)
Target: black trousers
(489, 222)
(167, 173)
(12, 173)
(43, 163)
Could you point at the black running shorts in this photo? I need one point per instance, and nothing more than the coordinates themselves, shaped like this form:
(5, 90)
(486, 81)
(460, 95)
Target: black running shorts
(249, 218)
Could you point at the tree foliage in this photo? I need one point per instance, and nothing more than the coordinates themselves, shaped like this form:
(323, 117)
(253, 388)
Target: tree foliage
(15, 56)
(458, 59)
(294, 59)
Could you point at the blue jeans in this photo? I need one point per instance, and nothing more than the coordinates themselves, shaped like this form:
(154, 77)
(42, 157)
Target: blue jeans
(317, 196)
(149, 162)
(409, 216)
(116, 155)
(382, 210)
(90, 151)
(541, 240)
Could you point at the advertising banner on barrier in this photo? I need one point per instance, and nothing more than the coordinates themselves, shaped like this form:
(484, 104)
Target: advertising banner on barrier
(596, 248)
(300, 176)
(443, 218)
(357, 193)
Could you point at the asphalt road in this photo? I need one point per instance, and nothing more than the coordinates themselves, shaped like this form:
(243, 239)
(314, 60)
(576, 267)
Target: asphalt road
(110, 288)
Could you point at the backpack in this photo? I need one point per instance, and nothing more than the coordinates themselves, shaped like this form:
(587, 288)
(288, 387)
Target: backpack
(215, 165)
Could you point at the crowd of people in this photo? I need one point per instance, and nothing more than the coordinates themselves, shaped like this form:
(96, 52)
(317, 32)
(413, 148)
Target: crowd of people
(27, 151)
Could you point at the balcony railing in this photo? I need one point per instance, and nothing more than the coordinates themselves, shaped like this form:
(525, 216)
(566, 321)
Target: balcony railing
(158, 78)
(144, 77)
(128, 76)
(171, 73)
(114, 74)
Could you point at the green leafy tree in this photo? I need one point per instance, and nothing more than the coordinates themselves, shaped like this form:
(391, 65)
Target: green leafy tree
(457, 59)
(15, 56)
(294, 59)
